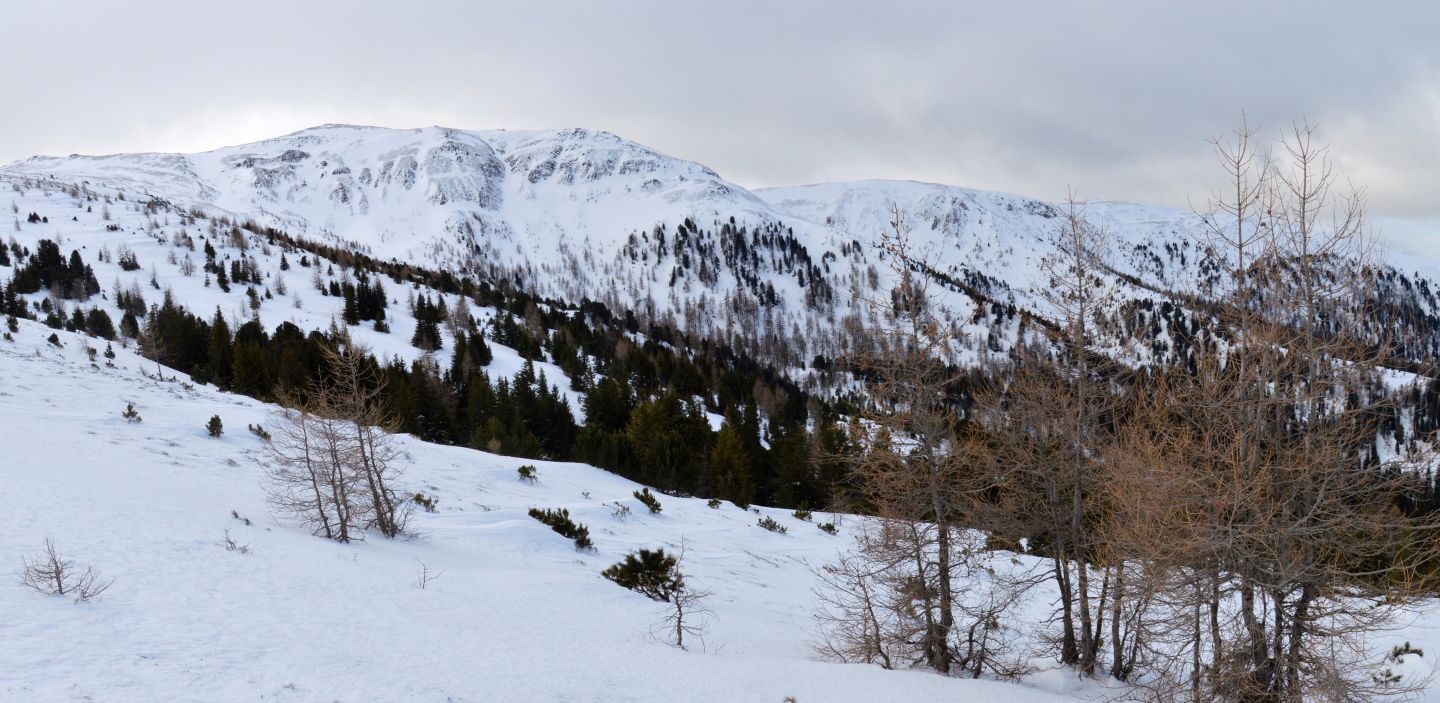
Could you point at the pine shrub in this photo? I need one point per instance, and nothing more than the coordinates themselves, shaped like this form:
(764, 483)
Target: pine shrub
(214, 426)
(559, 521)
(645, 496)
(829, 528)
(769, 523)
(131, 414)
(527, 473)
(714, 503)
(652, 573)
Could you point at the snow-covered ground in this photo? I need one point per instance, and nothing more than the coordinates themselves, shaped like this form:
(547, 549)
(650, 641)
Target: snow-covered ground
(516, 612)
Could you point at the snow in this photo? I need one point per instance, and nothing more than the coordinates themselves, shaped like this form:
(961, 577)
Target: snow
(515, 614)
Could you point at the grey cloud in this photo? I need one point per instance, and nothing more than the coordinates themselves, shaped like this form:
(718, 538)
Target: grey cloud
(1113, 98)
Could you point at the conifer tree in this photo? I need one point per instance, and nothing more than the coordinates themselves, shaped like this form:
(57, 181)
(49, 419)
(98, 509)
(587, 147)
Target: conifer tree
(730, 468)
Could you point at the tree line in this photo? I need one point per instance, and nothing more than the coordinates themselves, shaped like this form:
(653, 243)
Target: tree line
(650, 392)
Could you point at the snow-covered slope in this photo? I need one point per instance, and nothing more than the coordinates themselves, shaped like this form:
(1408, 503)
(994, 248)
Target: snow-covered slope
(515, 612)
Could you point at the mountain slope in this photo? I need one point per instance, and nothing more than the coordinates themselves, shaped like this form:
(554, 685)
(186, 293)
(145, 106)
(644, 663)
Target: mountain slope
(785, 276)
(515, 613)
(578, 214)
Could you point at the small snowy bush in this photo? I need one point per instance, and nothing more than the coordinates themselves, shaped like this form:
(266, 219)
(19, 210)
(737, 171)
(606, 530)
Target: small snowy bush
(52, 574)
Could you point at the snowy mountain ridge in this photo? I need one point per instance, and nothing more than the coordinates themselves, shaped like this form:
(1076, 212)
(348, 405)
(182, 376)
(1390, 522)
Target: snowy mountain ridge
(577, 214)
(374, 186)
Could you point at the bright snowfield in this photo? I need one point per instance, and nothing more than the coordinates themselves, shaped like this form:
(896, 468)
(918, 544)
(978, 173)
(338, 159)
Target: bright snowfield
(515, 613)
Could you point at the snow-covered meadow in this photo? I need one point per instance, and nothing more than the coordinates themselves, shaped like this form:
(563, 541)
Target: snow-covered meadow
(515, 613)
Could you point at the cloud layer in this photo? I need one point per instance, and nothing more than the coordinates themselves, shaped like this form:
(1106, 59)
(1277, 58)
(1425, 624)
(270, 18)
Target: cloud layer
(1113, 98)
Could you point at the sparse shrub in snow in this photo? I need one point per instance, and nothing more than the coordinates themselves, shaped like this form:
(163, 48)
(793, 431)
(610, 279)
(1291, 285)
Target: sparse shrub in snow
(424, 575)
(769, 523)
(802, 514)
(51, 573)
(11, 323)
(334, 461)
(645, 496)
(427, 503)
(231, 545)
(527, 473)
(828, 527)
(214, 427)
(687, 614)
(619, 511)
(259, 431)
(130, 413)
(650, 572)
(54, 340)
(714, 503)
(236, 514)
(559, 521)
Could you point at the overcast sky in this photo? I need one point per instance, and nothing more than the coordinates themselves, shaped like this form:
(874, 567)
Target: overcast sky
(1113, 98)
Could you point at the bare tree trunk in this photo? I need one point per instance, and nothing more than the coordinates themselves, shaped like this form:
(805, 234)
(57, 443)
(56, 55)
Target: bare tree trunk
(1069, 646)
(1117, 642)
